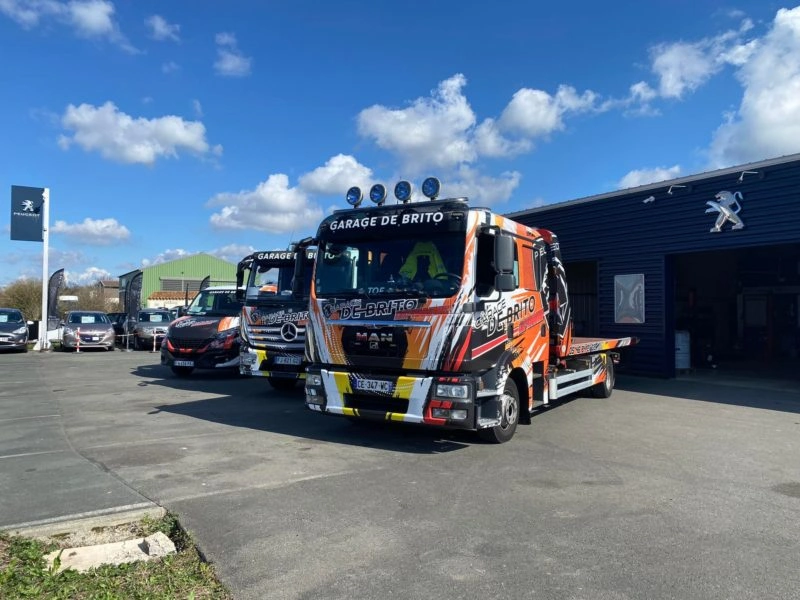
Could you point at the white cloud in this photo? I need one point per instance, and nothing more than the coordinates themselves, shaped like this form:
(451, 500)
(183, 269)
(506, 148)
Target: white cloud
(442, 131)
(536, 114)
(233, 252)
(482, 190)
(767, 122)
(431, 133)
(198, 108)
(336, 177)
(682, 67)
(170, 67)
(639, 177)
(230, 60)
(118, 136)
(272, 206)
(96, 232)
(161, 30)
(88, 18)
(88, 276)
(166, 256)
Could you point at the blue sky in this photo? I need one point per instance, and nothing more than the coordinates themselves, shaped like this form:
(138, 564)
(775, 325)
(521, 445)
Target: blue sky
(168, 128)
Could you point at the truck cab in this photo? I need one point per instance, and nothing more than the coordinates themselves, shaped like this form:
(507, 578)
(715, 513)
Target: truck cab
(443, 314)
(274, 317)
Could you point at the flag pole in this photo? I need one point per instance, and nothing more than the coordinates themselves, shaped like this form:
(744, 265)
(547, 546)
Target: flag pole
(43, 343)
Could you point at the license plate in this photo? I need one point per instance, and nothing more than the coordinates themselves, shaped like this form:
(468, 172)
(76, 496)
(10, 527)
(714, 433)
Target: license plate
(5, 338)
(374, 385)
(184, 363)
(96, 338)
(287, 360)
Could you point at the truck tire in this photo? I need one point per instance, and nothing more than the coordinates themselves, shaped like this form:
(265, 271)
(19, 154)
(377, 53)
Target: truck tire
(182, 371)
(282, 384)
(605, 387)
(510, 417)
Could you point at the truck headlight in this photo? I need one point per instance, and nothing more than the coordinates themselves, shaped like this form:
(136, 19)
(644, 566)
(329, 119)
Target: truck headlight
(452, 390)
(314, 379)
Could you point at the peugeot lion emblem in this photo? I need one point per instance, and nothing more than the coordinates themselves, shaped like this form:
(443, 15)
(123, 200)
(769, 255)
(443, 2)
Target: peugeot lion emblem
(728, 207)
(27, 206)
(289, 332)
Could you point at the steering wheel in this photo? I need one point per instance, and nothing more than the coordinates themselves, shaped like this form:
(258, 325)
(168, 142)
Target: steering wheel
(452, 278)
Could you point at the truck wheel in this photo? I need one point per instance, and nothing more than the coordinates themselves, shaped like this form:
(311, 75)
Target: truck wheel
(509, 419)
(282, 383)
(604, 388)
(182, 371)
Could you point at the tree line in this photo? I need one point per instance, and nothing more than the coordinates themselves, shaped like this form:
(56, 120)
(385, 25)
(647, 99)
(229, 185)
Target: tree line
(26, 295)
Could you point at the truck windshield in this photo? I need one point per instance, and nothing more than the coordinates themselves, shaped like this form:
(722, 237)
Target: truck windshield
(269, 281)
(215, 303)
(391, 267)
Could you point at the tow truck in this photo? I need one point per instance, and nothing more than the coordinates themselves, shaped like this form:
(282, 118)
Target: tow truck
(274, 316)
(442, 314)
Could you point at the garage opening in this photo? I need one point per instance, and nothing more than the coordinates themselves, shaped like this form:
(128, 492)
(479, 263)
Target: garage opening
(582, 289)
(740, 310)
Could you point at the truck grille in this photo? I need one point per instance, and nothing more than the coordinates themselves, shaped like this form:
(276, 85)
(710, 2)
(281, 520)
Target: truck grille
(273, 338)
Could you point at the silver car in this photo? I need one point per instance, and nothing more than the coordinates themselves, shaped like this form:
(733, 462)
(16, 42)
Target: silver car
(87, 329)
(150, 328)
(13, 330)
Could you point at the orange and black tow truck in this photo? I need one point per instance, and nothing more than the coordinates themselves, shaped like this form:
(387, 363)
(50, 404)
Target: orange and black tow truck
(443, 314)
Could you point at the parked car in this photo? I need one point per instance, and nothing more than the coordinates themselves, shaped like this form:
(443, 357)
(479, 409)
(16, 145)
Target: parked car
(149, 328)
(87, 329)
(13, 330)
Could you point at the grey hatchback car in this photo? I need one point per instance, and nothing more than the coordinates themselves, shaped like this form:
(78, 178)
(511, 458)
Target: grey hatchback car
(13, 330)
(87, 329)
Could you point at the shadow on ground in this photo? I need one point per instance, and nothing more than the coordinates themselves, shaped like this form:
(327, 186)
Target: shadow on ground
(251, 403)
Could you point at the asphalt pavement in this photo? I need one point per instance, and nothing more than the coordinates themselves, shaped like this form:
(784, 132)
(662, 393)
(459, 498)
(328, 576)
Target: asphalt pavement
(669, 489)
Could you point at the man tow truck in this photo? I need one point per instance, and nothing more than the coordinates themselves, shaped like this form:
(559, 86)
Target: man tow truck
(274, 316)
(443, 314)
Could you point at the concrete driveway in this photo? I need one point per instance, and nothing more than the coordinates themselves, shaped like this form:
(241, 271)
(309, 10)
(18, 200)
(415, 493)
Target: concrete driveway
(670, 489)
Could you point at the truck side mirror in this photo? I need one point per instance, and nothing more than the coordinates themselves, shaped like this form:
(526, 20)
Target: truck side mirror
(504, 279)
(503, 253)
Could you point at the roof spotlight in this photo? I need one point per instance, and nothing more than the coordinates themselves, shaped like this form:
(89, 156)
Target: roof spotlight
(377, 193)
(354, 196)
(402, 191)
(431, 188)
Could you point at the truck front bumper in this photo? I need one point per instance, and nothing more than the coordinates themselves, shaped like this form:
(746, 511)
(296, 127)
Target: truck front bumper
(438, 401)
(257, 362)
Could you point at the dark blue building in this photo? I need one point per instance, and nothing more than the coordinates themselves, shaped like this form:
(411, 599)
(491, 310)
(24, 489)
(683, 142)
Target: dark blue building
(710, 259)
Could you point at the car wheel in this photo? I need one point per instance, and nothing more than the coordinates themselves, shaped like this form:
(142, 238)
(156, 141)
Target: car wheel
(508, 420)
(136, 343)
(182, 371)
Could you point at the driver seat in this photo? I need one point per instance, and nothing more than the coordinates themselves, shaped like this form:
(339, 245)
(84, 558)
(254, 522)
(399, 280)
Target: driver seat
(415, 267)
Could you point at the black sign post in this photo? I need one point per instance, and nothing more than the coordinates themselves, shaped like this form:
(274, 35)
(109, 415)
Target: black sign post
(30, 214)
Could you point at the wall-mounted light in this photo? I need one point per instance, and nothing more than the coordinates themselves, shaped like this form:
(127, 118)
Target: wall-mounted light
(669, 191)
(743, 173)
(649, 199)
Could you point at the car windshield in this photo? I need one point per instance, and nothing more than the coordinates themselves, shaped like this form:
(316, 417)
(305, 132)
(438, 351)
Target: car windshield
(87, 318)
(10, 316)
(268, 279)
(391, 267)
(215, 303)
(154, 317)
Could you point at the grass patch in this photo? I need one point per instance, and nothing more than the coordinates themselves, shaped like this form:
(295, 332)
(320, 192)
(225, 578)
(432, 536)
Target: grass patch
(24, 572)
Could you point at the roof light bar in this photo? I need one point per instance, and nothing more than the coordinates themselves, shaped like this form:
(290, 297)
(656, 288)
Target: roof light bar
(402, 191)
(354, 196)
(431, 188)
(377, 194)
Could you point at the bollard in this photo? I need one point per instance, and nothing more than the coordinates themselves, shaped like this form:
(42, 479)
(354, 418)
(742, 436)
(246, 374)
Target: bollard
(154, 340)
(78, 340)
